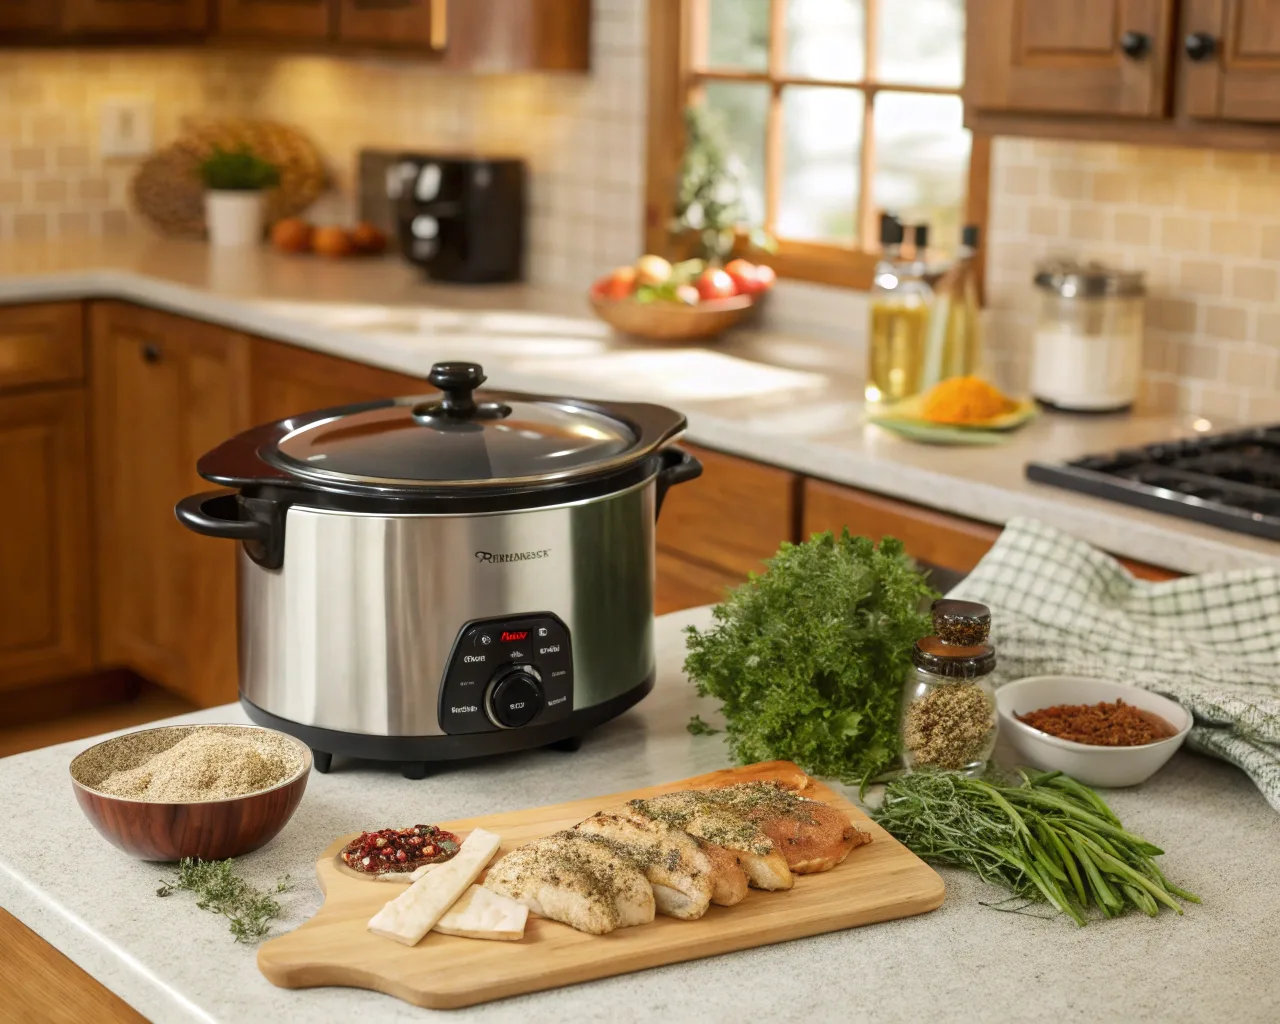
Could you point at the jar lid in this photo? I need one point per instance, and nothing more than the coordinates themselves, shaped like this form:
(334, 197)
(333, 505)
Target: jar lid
(457, 440)
(1091, 280)
(964, 623)
(952, 661)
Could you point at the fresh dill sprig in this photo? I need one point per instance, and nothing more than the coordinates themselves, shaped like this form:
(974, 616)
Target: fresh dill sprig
(221, 891)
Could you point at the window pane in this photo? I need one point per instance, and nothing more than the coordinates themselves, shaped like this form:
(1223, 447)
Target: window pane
(921, 42)
(738, 34)
(826, 39)
(819, 195)
(922, 159)
(741, 109)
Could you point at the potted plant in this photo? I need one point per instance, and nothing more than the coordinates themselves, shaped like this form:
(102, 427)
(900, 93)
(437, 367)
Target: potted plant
(234, 182)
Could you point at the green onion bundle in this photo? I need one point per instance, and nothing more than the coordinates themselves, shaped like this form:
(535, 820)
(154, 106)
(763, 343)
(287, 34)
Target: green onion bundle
(1049, 838)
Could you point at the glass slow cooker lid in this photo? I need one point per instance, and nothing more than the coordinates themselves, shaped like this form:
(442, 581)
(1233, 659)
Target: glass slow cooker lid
(456, 441)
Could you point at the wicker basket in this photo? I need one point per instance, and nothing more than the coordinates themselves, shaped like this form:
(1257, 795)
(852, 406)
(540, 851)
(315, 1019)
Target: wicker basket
(167, 188)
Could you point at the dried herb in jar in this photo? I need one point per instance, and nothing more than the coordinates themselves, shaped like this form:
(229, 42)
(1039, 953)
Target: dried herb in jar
(948, 727)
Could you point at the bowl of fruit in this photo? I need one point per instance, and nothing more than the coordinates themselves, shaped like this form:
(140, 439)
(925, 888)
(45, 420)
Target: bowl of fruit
(687, 301)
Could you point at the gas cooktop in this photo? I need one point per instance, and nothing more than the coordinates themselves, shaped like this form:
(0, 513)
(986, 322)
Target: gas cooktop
(1228, 480)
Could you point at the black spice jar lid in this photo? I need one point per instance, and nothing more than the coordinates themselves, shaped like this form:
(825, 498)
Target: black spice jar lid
(963, 623)
(951, 661)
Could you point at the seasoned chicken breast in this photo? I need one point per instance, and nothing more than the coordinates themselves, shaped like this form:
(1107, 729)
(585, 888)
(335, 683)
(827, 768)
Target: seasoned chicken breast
(694, 812)
(679, 871)
(575, 878)
(728, 880)
(811, 835)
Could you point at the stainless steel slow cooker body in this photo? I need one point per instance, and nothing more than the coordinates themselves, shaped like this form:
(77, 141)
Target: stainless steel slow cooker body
(416, 621)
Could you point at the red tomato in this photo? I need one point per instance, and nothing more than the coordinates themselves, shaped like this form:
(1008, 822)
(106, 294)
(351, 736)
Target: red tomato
(620, 284)
(600, 286)
(714, 283)
(744, 276)
(765, 278)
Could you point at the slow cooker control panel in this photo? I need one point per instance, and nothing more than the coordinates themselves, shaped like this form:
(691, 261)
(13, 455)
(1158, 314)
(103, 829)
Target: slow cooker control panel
(507, 673)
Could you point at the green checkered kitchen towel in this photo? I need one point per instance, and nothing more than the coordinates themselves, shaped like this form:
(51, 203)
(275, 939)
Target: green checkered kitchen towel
(1211, 642)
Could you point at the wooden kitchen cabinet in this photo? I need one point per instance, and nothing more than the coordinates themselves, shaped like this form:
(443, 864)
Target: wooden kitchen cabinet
(22, 18)
(46, 572)
(288, 380)
(936, 539)
(1161, 72)
(165, 390)
(301, 20)
(134, 17)
(715, 530)
(41, 344)
(1232, 50)
(1069, 56)
(421, 24)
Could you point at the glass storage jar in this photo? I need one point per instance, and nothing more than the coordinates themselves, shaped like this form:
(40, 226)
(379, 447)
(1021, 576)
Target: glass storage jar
(948, 705)
(1087, 348)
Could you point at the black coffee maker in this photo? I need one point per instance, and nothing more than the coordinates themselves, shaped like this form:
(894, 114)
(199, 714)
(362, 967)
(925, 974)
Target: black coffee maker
(461, 218)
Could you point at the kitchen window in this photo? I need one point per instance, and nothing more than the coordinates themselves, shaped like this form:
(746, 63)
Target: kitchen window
(838, 109)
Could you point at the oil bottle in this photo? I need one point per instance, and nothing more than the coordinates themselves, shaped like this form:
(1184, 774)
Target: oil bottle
(900, 302)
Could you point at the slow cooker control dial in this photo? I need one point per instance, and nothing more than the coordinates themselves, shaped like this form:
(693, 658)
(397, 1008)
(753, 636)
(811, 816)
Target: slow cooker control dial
(514, 698)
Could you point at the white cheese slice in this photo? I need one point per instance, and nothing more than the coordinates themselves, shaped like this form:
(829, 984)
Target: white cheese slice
(413, 913)
(484, 914)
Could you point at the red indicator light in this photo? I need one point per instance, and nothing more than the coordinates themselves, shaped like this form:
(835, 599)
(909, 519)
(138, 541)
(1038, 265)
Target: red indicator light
(508, 636)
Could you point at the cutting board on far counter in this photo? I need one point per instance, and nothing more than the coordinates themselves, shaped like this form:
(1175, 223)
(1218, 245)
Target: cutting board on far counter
(880, 881)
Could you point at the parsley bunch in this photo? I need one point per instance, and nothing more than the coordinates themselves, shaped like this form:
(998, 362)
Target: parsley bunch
(808, 658)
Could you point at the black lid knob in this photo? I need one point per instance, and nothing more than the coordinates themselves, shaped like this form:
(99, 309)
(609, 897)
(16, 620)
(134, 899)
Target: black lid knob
(1135, 45)
(1200, 46)
(458, 381)
(891, 230)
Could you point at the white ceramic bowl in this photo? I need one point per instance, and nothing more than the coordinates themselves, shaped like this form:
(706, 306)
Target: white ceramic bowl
(1094, 766)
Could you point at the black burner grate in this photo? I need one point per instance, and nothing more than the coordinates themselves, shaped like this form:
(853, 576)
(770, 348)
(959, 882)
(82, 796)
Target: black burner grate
(1229, 480)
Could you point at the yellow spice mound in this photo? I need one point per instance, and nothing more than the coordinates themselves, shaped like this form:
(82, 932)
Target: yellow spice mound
(965, 400)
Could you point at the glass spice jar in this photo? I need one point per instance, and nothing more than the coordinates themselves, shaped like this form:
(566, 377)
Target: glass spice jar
(948, 705)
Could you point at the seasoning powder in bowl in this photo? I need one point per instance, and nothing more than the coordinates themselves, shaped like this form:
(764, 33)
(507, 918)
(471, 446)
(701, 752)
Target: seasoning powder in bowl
(198, 764)
(1103, 724)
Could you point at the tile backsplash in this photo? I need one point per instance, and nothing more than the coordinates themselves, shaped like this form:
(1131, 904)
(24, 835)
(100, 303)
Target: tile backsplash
(1205, 225)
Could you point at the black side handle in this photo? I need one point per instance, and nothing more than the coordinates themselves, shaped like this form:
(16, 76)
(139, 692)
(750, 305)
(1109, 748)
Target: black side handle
(678, 467)
(226, 515)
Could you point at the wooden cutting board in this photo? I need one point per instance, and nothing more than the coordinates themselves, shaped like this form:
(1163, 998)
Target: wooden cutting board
(877, 882)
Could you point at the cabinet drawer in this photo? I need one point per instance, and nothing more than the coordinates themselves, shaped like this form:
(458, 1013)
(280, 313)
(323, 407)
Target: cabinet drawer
(41, 344)
(936, 538)
(733, 517)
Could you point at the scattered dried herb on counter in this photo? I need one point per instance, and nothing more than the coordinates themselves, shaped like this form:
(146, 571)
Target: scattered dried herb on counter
(949, 727)
(1100, 725)
(808, 658)
(221, 891)
(1048, 838)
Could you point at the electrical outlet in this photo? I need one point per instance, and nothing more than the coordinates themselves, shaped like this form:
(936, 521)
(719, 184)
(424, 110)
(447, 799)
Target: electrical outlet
(125, 123)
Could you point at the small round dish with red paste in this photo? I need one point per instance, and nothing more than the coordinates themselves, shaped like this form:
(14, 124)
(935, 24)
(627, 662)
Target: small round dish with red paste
(399, 850)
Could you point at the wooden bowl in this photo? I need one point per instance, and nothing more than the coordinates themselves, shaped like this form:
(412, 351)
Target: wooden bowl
(208, 829)
(672, 321)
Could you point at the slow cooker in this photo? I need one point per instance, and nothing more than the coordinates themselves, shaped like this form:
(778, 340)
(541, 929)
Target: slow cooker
(447, 575)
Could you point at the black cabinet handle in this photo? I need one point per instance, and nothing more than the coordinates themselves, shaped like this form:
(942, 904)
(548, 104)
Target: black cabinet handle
(1200, 46)
(150, 353)
(1135, 45)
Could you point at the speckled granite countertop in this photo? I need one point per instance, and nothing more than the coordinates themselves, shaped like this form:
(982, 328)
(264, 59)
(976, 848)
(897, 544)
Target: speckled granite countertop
(788, 400)
(963, 962)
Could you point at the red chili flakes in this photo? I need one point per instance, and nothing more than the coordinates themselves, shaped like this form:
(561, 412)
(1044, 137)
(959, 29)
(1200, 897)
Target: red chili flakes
(399, 849)
(1100, 725)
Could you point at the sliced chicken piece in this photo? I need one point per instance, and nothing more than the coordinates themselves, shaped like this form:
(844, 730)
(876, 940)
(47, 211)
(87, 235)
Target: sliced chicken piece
(575, 879)
(713, 822)
(680, 873)
(811, 835)
(728, 880)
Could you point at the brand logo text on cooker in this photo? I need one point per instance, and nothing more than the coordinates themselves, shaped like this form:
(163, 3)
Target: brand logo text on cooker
(513, 556)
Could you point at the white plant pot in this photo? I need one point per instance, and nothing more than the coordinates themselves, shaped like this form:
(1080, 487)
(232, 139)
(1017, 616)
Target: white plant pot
(234, 218)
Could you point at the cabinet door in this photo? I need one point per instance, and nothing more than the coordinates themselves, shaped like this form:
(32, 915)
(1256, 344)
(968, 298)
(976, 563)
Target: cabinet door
(1231, 54)
(27, 17)
(46, 600)
(275, 19)
(135, 17)
(420, 24)
(1069, 56)
(165, 390)
(288, 380)
(716, 529)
